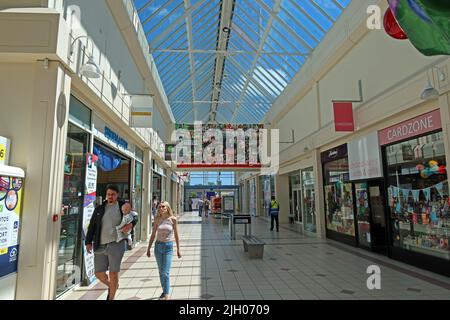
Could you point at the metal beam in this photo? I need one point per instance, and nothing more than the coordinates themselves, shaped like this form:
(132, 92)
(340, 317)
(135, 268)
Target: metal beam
(223, 37)
(229, 52)
(187, 4)
(276, 9)
(177, 21)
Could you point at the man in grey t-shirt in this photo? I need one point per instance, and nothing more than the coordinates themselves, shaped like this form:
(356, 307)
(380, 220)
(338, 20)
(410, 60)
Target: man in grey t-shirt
(102, 236)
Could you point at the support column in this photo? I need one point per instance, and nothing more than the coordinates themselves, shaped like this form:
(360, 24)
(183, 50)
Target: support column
(319, 197)
(282, 194)
(39, 240)
(146, 195)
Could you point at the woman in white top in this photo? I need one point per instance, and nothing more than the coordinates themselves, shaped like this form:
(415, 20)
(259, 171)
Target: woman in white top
(165, 230)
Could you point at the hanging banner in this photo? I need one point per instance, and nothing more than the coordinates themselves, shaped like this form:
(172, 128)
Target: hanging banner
(343, 117)
(364, 158)
(90, 193)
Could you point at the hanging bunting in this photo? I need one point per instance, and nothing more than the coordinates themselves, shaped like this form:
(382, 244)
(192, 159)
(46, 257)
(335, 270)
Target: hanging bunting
(427, 193)
(416, 194)
(440, 188)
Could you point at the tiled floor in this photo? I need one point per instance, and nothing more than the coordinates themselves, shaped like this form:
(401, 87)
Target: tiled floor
(294, 267)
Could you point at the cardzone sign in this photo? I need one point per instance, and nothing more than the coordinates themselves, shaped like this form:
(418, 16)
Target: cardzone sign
(343, 116)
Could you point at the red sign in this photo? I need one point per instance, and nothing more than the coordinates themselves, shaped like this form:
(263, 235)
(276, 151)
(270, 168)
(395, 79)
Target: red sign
(343, 117)
(411, 128)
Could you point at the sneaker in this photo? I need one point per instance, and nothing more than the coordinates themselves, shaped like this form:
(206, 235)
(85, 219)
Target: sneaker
(163, 296)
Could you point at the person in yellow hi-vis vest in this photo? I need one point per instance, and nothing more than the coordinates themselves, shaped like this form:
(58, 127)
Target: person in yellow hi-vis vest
(274, 213)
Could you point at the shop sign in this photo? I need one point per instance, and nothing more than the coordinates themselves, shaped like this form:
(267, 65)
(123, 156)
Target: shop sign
(334, 154)
(90, 193)
(114, 137)
(364, 158)
(343, 117)
(4, 151)
(411, 128)
(141, 111)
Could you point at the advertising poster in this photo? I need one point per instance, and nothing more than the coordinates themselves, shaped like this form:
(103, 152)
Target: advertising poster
(10, 208)
(228, 204)
(88, 209)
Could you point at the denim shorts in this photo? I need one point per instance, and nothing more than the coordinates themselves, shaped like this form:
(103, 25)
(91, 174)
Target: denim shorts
(109, 257)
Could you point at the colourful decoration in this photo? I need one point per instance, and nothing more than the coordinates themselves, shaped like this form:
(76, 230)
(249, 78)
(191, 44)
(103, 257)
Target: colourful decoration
(426, 23)
(392, 27)
(430, 168)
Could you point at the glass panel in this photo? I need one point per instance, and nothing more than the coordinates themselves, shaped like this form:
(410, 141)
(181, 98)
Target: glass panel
(339, 197)
(79, 113)
(137, 205)
(363, 214)
(308, 204)
(418, 196)
(69, 253)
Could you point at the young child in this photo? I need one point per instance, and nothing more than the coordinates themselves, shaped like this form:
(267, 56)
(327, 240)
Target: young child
(127, 219)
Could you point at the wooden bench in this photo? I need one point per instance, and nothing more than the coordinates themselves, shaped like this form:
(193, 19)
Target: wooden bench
(254, 247)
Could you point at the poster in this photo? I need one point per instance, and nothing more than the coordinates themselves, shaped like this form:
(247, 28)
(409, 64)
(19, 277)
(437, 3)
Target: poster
(90, 192)
(10, 208)
(228, 204)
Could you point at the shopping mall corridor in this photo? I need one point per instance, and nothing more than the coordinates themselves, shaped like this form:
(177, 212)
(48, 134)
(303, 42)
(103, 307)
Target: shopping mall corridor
(214, 267)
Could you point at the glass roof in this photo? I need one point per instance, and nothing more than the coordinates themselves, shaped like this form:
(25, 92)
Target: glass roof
(229, 60)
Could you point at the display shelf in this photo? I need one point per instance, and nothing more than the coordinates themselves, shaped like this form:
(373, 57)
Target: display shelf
(424, 228)
(445, 254)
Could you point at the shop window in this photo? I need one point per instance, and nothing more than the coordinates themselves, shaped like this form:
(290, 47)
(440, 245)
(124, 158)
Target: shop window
(308, 200)
(419, 198)
(79, 113)
(339, 197)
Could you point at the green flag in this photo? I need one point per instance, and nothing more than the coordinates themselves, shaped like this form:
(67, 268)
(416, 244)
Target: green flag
(426, 23)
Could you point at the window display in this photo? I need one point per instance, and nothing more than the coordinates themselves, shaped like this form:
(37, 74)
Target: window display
(309, 199)
(339, 198)
(363, 214)
(418, 196)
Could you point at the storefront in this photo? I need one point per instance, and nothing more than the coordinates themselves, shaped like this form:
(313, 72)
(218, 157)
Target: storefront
(118, 161)
(137, 190)
(418, 193)
(365, 165)
(158, 182)
(70, 269)
(252, 197)
(338, 195)
(267, 190)
(302, 199)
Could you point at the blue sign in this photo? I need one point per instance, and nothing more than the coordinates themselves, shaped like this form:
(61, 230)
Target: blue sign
(111, 135)
(8, 261)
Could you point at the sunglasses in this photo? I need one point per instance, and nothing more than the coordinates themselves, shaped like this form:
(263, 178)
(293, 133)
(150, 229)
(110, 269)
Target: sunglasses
(161, 206)
(9, 188)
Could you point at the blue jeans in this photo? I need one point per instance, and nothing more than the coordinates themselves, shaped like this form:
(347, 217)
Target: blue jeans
(163, 255)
